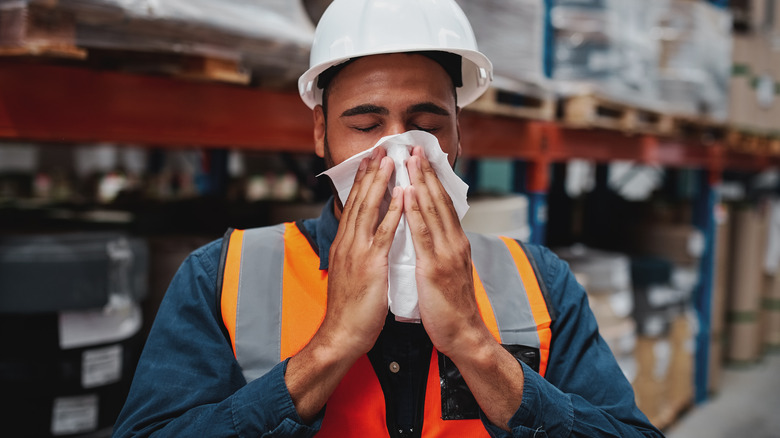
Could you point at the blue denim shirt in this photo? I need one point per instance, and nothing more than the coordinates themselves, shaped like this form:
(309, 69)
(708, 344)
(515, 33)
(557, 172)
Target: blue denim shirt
(189, 384)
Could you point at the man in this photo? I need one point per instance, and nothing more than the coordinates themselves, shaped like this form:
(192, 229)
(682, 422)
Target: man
(285, 330)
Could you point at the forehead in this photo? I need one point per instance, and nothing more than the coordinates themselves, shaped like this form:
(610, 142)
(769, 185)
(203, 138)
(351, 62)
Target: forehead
(388, 75)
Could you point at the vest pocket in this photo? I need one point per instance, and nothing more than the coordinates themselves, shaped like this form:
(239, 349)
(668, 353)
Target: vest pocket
(457, 401)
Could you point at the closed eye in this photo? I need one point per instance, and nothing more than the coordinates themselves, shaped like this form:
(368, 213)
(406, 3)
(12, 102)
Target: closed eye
(365, 128)
(430, 129)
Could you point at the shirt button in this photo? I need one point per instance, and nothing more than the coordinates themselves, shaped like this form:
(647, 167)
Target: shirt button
(394, 367)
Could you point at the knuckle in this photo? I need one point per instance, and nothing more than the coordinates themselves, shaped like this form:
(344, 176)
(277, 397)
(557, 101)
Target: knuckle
(381, 231)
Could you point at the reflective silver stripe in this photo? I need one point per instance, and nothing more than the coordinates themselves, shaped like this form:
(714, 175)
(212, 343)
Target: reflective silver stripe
(504, 286)
(259, 312)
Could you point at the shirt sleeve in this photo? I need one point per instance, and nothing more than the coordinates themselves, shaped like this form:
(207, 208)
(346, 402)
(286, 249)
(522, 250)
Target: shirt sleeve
(188, 382)
(584, 393)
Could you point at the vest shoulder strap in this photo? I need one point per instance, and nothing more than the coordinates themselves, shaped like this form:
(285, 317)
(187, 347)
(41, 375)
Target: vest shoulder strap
(516, 292)
(250, 258)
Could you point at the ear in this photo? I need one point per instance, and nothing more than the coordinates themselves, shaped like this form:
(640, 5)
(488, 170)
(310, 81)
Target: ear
(457, 128)
(320, 128)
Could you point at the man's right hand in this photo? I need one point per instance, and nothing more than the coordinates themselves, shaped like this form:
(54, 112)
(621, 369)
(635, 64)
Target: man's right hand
(357, 289)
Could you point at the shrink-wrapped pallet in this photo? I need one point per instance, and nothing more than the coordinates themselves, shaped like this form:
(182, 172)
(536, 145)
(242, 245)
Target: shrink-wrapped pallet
(695, 69)
(511, 33)
(272, 38)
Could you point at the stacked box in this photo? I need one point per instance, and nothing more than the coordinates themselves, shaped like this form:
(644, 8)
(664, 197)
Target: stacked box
(665, 276)
(662, 291)
(755, 84)
(665, 371)
(755, 94)
(681, 370)
(76, 299)
(606, 278)
(498, 215)
(653, 357)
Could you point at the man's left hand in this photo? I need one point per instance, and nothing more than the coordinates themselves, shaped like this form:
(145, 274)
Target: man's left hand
(448, 306)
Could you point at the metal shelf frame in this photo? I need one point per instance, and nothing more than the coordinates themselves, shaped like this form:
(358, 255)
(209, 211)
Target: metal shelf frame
(42, 102)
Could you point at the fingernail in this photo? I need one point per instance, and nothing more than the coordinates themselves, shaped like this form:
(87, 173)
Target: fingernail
(375, 153)
(397, 191)
(384, 162)
(363, 164)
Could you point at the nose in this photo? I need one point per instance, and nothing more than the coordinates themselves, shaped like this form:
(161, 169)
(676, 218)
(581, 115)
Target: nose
(394, 127)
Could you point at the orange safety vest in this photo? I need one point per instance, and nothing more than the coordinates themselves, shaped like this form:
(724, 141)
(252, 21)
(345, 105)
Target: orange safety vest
(273, 299)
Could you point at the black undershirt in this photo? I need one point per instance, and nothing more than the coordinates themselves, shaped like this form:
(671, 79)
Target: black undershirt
(408, 346)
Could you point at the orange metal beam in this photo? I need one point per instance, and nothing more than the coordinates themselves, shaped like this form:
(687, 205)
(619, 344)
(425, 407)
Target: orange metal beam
(42, 102)
(51, 103)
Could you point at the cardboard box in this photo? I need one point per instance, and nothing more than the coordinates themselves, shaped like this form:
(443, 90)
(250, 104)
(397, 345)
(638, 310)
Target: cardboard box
(715, 367)
(680, 380)
(754, 103)
(746, 286)
(664, 383)
(682, 244)
(653, 355)
(770, 314)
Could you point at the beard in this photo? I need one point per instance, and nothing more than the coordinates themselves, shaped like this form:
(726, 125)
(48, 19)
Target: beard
(328, 164)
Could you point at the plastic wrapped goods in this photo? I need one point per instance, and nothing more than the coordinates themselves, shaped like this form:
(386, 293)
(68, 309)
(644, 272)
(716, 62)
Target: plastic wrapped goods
(272, 37)
(695, 63)
(511, 33)
(605, 46)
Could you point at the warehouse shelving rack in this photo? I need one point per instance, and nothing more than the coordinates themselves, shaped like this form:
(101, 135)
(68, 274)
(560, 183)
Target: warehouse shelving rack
(55, 103)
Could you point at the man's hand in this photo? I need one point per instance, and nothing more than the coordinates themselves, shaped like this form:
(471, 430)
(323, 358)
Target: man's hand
(448, 306)
(445, 284)
(358, 266)
(357, 289)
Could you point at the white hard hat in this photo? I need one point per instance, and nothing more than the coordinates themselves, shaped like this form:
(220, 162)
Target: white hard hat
(354, 28)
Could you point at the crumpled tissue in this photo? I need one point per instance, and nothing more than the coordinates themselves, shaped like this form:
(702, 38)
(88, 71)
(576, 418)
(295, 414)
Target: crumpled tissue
(402, 290)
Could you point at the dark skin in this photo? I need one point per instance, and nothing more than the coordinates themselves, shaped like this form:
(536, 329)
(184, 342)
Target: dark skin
(373, 97)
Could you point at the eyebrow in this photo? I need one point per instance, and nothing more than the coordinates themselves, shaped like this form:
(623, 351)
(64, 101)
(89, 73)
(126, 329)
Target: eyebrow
(365, 109)
(428, 107)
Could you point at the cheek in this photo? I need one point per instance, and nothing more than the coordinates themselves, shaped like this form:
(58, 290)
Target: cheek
(449, 145)
(343, 143)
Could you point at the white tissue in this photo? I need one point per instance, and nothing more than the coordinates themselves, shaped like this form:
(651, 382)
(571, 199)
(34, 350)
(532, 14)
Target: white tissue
(402, 291)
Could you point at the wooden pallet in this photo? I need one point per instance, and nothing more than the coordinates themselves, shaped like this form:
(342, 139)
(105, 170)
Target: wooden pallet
(179, 65)
(38, 31)
(595, 111)
(699, 128)
(750, 142)
(538, 105)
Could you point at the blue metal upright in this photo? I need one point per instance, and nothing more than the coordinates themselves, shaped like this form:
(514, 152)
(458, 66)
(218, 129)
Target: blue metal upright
(537, 215)
(704, 220)
(531, 179)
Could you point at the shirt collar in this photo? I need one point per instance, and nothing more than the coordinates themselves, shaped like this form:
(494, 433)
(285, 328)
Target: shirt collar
(322, 231)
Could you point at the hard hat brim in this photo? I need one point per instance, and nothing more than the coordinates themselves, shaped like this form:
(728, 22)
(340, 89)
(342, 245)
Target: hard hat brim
(477, 72)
